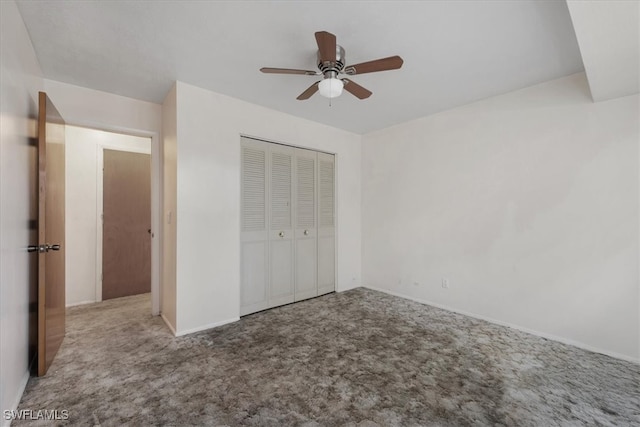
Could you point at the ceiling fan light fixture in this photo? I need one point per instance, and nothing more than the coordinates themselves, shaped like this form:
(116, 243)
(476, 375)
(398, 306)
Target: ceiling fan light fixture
(331, 87)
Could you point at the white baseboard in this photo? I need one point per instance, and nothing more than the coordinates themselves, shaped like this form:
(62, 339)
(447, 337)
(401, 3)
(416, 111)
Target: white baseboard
(511, 325)
(348, 287)
(173, 330)
(21, 387)
(205, 327)
(74, 304)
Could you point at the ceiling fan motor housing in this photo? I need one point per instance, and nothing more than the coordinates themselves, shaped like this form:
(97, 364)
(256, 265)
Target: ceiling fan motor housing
(331, 69)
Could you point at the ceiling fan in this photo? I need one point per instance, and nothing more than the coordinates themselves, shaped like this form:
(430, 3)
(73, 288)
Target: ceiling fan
(331, 63)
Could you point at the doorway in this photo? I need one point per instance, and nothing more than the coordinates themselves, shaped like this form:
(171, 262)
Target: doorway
(85, 207)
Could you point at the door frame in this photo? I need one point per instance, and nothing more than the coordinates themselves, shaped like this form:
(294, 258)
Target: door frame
(100, 208)
(157, 186)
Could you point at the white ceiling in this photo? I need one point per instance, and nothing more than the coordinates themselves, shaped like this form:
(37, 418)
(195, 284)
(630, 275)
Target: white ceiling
(454, 52)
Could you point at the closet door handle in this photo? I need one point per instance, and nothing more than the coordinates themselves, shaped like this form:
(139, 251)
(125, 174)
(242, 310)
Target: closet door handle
(281, 234)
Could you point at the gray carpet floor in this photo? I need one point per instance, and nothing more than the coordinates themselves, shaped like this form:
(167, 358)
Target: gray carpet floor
(358, 358)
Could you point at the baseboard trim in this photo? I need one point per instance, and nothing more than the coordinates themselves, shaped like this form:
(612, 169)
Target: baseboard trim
(21, 388)
(346, 288)
(205, 327)
(511, 325)
(169, 325)
(80, 303)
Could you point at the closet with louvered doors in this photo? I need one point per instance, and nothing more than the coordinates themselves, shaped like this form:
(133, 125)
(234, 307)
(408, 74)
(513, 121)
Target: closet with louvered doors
(287, 225)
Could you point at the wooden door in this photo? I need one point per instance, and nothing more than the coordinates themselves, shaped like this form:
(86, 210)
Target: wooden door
(326, 224)
(281, 236)
(254, 240)
(126, 231)
(51, 244)
(306, 285)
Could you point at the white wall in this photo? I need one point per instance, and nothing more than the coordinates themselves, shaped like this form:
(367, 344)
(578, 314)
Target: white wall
(20, 81)
(81, 106)
(169, 135)
(608, 32)
(209, 126)
(82, 199)
(105, 111)
(526, 202)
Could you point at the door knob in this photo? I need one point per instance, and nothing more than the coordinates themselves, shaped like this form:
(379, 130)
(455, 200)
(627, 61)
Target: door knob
(306, 232)
(43, 248)
(281, 234)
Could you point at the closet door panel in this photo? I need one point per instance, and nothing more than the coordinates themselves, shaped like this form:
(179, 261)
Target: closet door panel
(306, 225)
(326, 261)
(326, 224)
(281, 272)
(254, 231)
(281, 233)
(306, 269)
(254, 280)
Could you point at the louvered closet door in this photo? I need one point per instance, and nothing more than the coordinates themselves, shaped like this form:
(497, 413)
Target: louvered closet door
(254, 239)
(306, 249)
(281, 231)
(326, 224)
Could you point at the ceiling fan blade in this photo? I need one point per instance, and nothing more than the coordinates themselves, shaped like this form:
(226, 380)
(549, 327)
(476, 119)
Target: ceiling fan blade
(327, 46)
(356, 90)
(384, 64)
(269, 70)
(307, 93)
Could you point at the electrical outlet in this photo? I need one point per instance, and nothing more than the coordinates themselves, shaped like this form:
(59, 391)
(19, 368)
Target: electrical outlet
(445, 283)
